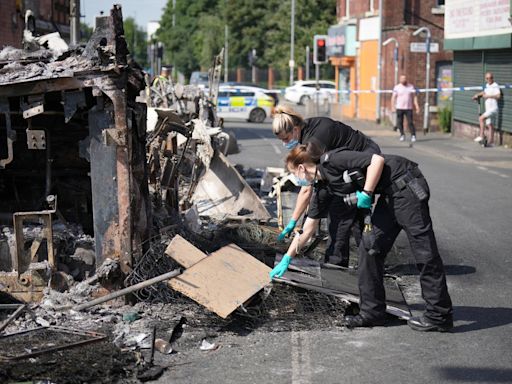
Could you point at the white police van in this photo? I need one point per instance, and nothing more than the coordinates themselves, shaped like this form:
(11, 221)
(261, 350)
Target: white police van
(244, 102)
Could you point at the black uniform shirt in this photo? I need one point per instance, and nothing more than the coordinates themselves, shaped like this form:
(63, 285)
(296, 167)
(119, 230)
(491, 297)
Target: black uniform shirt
(331, 134)
(334, 163)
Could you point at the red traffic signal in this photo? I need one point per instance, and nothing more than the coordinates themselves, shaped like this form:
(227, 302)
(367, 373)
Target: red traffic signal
(320, 49)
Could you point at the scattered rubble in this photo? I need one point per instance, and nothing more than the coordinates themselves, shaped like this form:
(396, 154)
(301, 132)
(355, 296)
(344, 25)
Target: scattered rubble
(109, 189)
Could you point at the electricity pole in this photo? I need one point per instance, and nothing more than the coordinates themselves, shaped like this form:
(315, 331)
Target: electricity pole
(292, 38)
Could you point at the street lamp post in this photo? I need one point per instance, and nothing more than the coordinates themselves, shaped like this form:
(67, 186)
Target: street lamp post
(427, 77)
(395, 55)
(292, 38)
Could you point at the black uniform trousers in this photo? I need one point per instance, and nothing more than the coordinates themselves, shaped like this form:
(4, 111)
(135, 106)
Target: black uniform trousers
(342, 220)
(404, 211)
(400, 113)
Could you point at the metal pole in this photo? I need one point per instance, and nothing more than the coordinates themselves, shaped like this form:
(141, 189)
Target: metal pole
(253, 66)
(307, 62)
(173, 13)
(159, 58)
(427, 106)
(74, 22)
(292, 38)
(395, 53)
(130, 289)
(317, 94)
(226, 46)
(379, 62)
(174, 73)
(426, 111)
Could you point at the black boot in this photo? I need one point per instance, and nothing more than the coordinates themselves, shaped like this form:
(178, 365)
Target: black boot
(360, 321)
(424, 324)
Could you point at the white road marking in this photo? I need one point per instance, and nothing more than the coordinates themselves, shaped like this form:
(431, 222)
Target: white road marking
(493, 172)
(301, 358)
(277, 150)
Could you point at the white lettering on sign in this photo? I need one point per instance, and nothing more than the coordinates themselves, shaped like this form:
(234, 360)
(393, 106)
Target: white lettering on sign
(473, 18)
(422, 47)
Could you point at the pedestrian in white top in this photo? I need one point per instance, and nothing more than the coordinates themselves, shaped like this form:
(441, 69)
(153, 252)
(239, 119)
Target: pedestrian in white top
(402, 101)
(491, 94)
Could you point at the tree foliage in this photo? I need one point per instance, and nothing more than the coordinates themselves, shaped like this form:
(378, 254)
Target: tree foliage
(136, 39)
(263, 25)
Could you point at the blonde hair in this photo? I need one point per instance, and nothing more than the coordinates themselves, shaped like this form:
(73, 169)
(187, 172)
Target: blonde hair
(285, 118)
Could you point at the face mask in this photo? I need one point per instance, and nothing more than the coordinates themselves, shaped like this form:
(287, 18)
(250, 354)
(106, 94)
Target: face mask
(291, 144)
(301, 182)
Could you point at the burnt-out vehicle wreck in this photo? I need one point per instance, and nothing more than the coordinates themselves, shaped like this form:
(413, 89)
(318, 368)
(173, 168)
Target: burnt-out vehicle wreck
(73, 172)
(91, 168)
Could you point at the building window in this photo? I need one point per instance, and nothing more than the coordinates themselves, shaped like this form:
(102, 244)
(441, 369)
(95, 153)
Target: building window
(440, 3)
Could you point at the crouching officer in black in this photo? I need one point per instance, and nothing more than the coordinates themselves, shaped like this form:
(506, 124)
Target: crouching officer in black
(327, 134)
(403, 204)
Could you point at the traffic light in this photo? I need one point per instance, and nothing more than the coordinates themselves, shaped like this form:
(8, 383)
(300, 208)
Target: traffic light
(320, 49)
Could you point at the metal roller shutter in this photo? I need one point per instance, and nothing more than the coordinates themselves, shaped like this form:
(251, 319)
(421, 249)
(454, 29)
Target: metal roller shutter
(499, 62)
(468, 71)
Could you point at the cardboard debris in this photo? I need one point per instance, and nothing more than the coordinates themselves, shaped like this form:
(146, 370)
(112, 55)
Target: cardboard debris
(223, 192)
(224, 280)
(184, 253)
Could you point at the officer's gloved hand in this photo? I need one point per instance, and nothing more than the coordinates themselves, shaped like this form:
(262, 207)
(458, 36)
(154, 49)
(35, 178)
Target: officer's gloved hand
(287, 229)
(281, 268)
(364, 200)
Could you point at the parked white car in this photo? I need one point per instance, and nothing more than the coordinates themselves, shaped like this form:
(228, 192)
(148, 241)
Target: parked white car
(244, 102)
(303, 90)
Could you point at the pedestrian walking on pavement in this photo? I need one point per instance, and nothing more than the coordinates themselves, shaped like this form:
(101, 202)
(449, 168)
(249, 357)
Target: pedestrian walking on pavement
(292, 130)
(491, 95)
(403, 204)
(403, 99)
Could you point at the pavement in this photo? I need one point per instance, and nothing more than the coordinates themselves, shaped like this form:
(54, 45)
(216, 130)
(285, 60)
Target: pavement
(440, 144)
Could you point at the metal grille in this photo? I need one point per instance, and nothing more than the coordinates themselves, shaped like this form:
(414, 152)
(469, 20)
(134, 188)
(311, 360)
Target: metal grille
(153, 263)
(288, 308)
(277, 308)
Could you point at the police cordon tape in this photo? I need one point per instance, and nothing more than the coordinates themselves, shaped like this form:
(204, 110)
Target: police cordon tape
(419, 90)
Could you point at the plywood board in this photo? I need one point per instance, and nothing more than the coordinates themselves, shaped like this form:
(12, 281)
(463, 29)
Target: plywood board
(224, 280)
(184, 253)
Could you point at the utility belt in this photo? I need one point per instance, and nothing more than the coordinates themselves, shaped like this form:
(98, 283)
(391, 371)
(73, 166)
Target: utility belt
(405, 180)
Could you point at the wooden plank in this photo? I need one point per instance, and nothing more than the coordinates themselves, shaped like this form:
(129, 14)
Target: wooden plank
(224, 280)
(184, 253)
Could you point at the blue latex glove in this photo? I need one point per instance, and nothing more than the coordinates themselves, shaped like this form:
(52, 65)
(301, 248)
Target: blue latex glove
(364, 200)
(287, 229)
(281, 268)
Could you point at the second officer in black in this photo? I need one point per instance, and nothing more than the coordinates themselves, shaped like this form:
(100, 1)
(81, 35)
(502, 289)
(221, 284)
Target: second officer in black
(403, 205)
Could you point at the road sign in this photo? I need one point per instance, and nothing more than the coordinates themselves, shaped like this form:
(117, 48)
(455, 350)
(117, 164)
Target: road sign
(422, 47)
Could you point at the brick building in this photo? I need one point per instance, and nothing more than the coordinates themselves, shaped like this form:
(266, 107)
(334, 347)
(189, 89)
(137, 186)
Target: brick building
(480, 34)
(46, 16)
(399, 20)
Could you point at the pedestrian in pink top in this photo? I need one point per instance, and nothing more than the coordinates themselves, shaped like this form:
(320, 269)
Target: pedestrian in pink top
(402, 101)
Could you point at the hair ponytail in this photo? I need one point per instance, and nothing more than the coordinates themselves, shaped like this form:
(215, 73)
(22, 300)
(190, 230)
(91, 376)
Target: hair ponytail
(285, 118)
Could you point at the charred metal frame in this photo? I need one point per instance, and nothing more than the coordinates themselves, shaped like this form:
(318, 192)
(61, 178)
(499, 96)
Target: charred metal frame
(117, 128)
(92, 337)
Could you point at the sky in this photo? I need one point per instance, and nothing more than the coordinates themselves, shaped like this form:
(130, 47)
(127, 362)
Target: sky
(142, 11)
